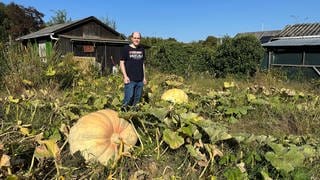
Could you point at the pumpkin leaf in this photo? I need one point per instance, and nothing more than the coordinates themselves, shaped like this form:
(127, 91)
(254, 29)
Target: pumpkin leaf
(115, 102)
(42, 151)
(51, 147)
(190, 116)
(277, 148)
(56, 136)
(216, 134)
(285, 160)
(197, 134)
(196, 153)
(159, 113)
(309, 151)
(172, 139)
(213, 150)
(278, 162)
(251, 97)
(188, 130)
(100, 102)
(232, 119)
(234, 173)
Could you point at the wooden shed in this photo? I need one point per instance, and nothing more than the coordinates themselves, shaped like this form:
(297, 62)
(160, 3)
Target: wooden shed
(88, 38)
(296, 46)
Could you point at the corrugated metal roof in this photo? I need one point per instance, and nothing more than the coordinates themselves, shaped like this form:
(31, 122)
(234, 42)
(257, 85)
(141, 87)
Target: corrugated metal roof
(263, 36)
(59, 27)
(260, 34)
(92, 39)
(46, 31)
(306, 29)
(293, 42)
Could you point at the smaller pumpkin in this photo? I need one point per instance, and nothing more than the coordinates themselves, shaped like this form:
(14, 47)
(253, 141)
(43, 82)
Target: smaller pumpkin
(175, 95)
(98, 136)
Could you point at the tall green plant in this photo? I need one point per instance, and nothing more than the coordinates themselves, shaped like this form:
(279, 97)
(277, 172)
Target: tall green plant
(3, 63)
(240, 55)
(24, 67)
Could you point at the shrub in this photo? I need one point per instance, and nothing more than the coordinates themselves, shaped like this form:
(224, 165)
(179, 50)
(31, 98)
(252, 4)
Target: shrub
(240, 55)
(175, 57)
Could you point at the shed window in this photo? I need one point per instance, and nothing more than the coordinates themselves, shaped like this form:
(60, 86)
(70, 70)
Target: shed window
(312, 58)
(287, 58)
(88, 48)
(84, 49)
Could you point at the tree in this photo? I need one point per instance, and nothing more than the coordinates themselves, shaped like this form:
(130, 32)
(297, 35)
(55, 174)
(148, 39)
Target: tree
(4, 24)
(210, 41)
(59, 18)
(23, 20)
(109, 22)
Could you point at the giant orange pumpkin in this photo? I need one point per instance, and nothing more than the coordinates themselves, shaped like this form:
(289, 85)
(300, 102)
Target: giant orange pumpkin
(98, 136)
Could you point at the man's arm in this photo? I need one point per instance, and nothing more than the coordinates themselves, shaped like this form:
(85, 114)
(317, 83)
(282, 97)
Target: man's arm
(124, 73)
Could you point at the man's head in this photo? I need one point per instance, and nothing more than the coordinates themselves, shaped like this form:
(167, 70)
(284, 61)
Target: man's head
(135, 38)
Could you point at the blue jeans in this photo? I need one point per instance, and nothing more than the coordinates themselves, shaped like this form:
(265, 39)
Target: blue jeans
(132, 93)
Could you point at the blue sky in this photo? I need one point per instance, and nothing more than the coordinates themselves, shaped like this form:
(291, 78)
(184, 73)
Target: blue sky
(186, 20)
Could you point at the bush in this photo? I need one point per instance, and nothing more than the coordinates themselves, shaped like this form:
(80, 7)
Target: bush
(240, 55)
(174, 57)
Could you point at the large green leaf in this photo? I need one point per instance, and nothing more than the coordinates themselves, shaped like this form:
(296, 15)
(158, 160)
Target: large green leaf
(308, 151)
(277, 148)
(116, 102)
(188, 130)
(285, 160)
(172, 138)
(216, 134)
(196, 153)
(159, 113)
(215, 131)
(235, 174)
(100, 102)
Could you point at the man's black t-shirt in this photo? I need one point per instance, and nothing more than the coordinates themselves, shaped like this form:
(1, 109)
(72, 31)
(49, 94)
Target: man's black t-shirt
(133, 60)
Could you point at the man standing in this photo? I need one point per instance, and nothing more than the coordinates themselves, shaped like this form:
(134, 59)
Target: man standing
(133, 70)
